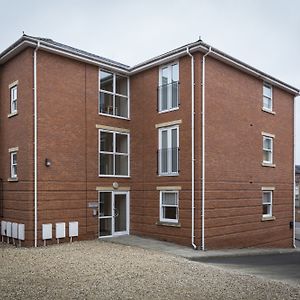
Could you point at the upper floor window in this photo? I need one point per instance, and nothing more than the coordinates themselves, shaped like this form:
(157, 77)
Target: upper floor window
(168, 151)
(113, 153)
(14, 99)
(267, 97)
(114, 94)
(267, 149)
(168, 89)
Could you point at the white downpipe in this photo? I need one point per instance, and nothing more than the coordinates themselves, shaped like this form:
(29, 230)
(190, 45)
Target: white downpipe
(193, 145)
(203, 153)
(294, 178)
(35, 142)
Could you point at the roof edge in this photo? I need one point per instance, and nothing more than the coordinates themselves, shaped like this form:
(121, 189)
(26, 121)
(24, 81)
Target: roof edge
(52, 46)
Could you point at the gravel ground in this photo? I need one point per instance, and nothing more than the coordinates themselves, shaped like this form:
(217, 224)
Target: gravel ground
(102, 270)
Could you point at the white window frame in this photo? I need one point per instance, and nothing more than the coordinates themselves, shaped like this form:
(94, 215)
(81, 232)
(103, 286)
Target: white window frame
(114, 153)
(169, 100)
(271, 138)
(169, 142)
(13, 99)
(270, 204)
(13, 172)
(114, 94)
(267, 85)
(161, 206)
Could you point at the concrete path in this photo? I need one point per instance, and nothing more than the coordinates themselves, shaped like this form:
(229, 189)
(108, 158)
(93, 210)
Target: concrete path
(188, 252)
(277, 264)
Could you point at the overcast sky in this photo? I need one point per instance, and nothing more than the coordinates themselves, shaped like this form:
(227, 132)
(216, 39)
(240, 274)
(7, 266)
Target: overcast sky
(262, 33)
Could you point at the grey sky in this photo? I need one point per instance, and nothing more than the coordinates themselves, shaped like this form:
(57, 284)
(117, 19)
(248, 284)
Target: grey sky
(262, 33)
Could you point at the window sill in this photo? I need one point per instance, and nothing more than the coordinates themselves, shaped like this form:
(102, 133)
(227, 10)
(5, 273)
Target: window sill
(12, 114)
(13, 179)
(268, 111)
(113, 176)
(168, 175)
(113, 116)
(168, 110)
(168, 224)
(270, 218)
(268, 165)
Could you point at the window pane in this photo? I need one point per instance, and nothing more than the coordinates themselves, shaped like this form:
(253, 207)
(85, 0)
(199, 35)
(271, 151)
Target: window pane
(165, 76)
(106, 103)
(174, 94)
(267, 103)
(267, 209)
(105, 227)
(170, 213)
(267, 197)
(267, 156)
(106, 141)
(106, 164)
(267, 143)
(175, 72)
(174, 138)
(121, 143)
(106, 81)
(174, 160)
(122, 165)
(267, 91)
(14, 158)
(164, 139)
(121, 85)
(105, 204)
(169, 198)
(121, 106)
(163, 97)
(163, 155)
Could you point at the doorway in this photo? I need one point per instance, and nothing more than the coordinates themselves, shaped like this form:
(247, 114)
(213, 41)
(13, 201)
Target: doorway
(113, 213)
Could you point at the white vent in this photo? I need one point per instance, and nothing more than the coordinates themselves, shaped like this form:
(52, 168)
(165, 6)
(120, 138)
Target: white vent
(73, 229)
(14, 230)
(60, 230)
(21, 232)
(47, 231)
(3, 228)
(8, 229)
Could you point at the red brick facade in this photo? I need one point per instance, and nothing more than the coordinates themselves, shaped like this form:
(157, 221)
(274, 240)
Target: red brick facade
(67, 93)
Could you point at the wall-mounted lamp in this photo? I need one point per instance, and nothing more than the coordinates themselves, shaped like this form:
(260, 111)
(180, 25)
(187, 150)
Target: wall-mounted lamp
(47, 162)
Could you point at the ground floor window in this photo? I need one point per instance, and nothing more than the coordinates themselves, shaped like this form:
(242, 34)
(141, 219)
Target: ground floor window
(267, 203)
(169, 209)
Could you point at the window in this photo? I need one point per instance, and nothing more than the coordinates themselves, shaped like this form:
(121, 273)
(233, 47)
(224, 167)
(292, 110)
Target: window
(267, 150)
(13, 99)
(13, 165)
(169, 206)
(168, 152)
(267, 203)
(168, 90)
(113, 153)
(267, 97)
(114, 95)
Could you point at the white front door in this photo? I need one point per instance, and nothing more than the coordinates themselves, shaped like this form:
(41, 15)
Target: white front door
(113, 213)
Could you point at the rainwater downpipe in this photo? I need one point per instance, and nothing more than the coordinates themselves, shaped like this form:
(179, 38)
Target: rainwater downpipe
(193, 145)
(35, 143)
(294, 178)
(203, 153)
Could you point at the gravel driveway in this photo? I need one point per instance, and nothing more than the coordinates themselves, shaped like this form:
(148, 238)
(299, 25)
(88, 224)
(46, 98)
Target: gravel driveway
(102, 270)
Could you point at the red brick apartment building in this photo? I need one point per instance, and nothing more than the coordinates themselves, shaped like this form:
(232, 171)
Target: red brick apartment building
(192, 146)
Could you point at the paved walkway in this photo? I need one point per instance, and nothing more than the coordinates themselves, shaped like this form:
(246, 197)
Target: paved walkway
(188, 252)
